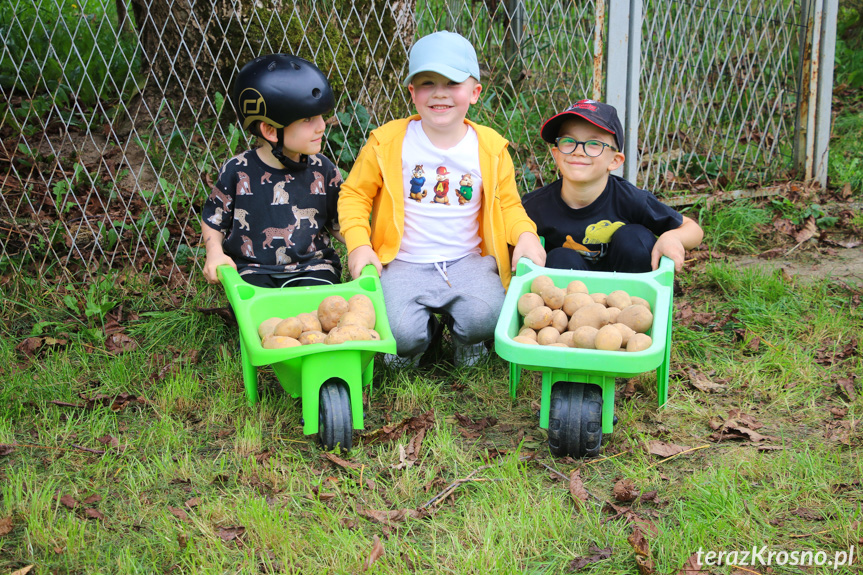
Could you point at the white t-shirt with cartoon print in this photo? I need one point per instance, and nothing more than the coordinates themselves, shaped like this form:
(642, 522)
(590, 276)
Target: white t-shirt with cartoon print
(442, 191)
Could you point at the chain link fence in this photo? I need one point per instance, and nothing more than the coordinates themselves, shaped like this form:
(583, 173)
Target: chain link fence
(115, 116)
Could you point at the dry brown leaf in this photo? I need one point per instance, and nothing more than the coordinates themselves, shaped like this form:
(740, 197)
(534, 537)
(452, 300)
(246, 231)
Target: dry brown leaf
(6, 449)
(69, 501)
(576, 488)
(663, 449)
(178, 513)
(93, 513)
(807, 231)
(391, 516)
(625, 490)
(341, 462)
(193, 502)
(703, 383)
(95, 498)
(231, 533)
(23, 570)
(596, 555)
(692, 565)
(5, 526)
(376, 553)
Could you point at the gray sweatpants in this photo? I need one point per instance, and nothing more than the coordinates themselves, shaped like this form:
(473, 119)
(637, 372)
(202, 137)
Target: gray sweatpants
(413, 292)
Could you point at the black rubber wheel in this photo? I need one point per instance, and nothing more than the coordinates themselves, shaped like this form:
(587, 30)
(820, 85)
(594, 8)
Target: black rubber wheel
(335, 423)
(575, 420)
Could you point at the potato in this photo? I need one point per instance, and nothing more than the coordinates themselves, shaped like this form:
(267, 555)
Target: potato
(619, 299)
(599, 297)
(584, 337)
(547, 335)
(347, 333)
(360, 302)
(538, 317)
(267, 326)
(625, 331)
(594, 315)
(640, 301)
(613, 312)
(310, 321)
(529, 301)
(289, 327)
(553, 297)
(353, 318)
(330, 310)
(279, 342)
(310, 337)
(375, 335)
(639, 342)
(566, 338)
(559, 321)
(576, 286)
(608, 338)
(557, 344)
(573, 301)
(636, 317)
(540, 283)
(523, 339)
(527, 332)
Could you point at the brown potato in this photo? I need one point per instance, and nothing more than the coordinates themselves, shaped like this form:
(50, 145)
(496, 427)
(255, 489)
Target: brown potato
(566, 338)
(538, 317)
(576, 286)
(594, 315)
(639, 342)
(553, 297)
(527, 332)
(636, 317)
(613, 312)
(330, 310)
(599, 297)
(310, 337)
(557, 344)
(608, 338)
(575, 300)
(640, 301)
(547, 335)
(375, 335)
(267, 326)
(360, 302)
(619, 299)
(523, 339)
(625, 331)
(529, 301)
(584, 337)
(310, 321)
(559, 321)
(289, 327)
(353, 318)
(539, 283)
(279, 342)
(347, 333)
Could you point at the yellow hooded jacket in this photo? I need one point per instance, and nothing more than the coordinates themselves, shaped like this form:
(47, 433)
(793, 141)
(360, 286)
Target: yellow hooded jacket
(375, 188)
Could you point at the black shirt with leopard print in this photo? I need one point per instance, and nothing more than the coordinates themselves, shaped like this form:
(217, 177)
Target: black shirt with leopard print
(276, 221)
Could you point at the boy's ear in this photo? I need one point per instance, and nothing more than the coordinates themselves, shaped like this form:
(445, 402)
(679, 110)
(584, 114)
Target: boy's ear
(618, 160)
(474, 95)
(268, 132)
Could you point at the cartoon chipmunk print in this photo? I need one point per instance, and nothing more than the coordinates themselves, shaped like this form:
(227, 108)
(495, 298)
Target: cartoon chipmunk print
(317, 187)
(278, 234)
(441, 188)
(417, 181)
(465, 189)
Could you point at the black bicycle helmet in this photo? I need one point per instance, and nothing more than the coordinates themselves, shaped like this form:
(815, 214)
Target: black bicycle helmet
(280, 89)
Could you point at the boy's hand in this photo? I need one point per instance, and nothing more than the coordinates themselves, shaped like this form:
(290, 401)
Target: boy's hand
(669, 246)
(529, 247)
(360, 258)
(214, 261)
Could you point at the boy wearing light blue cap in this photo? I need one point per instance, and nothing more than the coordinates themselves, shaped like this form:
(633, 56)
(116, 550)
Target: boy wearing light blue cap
(432, 203)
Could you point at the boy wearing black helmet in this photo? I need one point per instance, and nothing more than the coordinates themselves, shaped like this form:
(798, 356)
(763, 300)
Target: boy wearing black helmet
(272, 211)
(593, 220)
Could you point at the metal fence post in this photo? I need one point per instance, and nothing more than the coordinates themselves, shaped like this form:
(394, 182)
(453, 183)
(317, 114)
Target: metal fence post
(623, 72)
(814, 99)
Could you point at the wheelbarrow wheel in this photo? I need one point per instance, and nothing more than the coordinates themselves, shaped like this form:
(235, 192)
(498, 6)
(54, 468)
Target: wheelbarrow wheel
(335, 423)
(575, 419)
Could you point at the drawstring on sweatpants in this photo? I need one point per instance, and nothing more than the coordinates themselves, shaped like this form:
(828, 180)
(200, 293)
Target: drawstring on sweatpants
(442, 272)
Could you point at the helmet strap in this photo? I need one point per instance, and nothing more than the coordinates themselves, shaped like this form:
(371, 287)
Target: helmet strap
(289, 164)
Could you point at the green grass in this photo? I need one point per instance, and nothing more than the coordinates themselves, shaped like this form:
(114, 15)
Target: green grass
(194, 464)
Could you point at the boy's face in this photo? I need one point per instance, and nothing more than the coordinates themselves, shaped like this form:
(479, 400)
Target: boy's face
(440, 102)
(304, 136)
(578, 167)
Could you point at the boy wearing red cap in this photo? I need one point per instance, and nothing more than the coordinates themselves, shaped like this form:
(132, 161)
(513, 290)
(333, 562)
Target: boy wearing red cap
(439, 253)
(593, 220)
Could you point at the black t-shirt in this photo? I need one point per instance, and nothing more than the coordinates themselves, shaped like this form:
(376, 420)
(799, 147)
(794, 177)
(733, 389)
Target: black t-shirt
(589, 229)
(275, 221)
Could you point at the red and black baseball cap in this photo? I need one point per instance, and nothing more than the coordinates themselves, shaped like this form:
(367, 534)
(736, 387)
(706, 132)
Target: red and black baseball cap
(600, 115)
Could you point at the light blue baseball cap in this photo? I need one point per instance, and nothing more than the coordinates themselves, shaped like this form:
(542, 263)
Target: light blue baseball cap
(447, 53)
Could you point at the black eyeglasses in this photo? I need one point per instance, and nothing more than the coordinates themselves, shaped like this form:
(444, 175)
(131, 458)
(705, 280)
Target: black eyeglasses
(592, 148)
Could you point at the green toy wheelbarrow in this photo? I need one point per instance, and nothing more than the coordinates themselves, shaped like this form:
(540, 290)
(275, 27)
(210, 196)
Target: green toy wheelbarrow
(577, 401)
(328, 379)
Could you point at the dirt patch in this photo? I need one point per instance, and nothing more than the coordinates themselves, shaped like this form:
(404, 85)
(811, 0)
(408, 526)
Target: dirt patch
(844, 264)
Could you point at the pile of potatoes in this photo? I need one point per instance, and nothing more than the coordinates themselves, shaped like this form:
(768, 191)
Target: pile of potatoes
(574, 317)
(336, 320)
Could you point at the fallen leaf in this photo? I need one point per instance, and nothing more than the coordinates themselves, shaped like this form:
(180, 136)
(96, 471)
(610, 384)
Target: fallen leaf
(29, 346)
(391, 516)
(6, 449)
(95, 498)
(119, 343)
(193, 502)
(5, 526)
(808, 231)
(596, 555)
(23, 570)
(692, 565)
(178, 513)
(393, 432)
(625, 490)
(703, 383)
(576, 488)
(69, 501)
(231, 533)
(341, 462)
(93, 513)
(846, 386)
(376, 553)
(663, 449)
(648, 496)
(182, 540)
(808, 514)
(642, 551)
